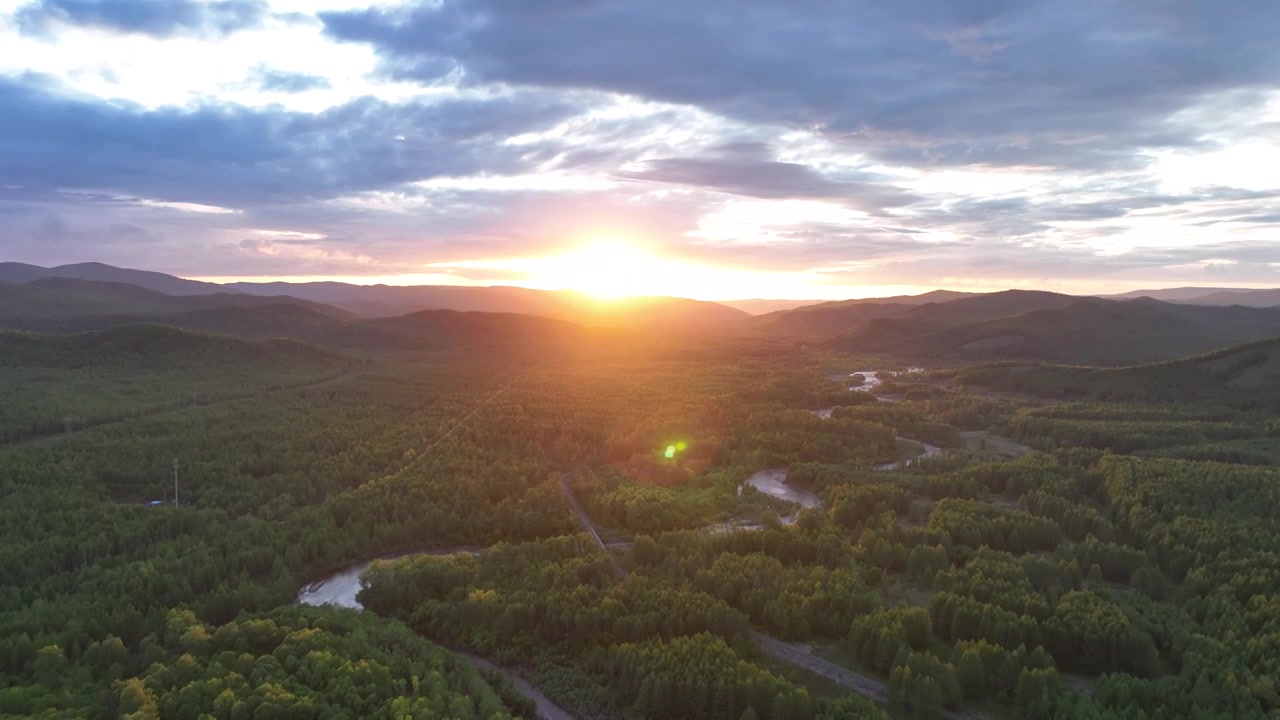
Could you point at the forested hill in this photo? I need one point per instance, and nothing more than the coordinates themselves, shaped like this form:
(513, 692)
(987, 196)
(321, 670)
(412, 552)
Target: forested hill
(66, 305)
(1243, 376)
(671, 313)
(450, 328)
(153, 346)
(60, 383)
(1080, 331)
(61, 305)
(427, 330)
(14, 272)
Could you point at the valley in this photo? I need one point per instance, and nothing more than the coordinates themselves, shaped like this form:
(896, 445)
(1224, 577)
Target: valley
(579, 521)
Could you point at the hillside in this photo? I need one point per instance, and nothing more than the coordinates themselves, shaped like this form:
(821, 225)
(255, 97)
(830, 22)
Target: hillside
(821, 321)
(151, 346)
(390, 300)
(825, 320)
(1085, 331)
(477, 330)
(765, 306)
(933, 296)
(1252, 297)
(888, 334)
(54, 384)
(393, 300)
(1178, 294)
(22, 273)
(66, 304)
(285, 320)
(426, 330)
(1243, 376)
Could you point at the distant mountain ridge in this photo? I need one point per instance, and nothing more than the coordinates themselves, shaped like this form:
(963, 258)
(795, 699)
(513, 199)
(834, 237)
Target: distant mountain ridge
(394, 300)
(941, 325)
(673, 314)
(1252, 297)
(1060, 328)
(64, 305)
(1243, 376)
(168, 284)
(826, 319)
(60, 297)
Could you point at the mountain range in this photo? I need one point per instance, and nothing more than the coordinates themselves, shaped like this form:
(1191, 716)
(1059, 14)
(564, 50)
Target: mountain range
(1257, 297)
(1059, 328)
(937, 327)
(373, 301)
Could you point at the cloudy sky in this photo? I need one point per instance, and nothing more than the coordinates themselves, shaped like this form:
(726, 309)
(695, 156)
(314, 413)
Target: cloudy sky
(737, 148)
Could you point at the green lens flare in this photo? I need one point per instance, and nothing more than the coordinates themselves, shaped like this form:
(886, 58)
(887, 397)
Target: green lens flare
(680, 446)
(671, 451)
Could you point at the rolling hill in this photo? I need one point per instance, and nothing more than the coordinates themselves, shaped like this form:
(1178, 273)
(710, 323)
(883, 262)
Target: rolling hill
(56, 384)
(669, 314)
(825, 320)
(1252, 297)
(154, 346)
(763, 306)
(676, 314)
(1241, 376)
(65, 305)
(478, 330)
(1083, 330)
(68, 304)
(13, 272)
(821, 321)
(888, 333)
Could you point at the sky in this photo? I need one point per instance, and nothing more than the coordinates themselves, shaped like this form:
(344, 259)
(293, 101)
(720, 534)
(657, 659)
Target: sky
(709, 148)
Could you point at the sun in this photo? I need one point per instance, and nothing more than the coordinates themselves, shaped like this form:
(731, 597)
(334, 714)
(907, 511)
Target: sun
(606, 269)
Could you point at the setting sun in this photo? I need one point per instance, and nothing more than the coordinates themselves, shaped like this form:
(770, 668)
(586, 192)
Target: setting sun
(606, 269)
(612, 268)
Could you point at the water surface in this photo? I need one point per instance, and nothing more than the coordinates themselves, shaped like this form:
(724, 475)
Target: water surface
(774, 482)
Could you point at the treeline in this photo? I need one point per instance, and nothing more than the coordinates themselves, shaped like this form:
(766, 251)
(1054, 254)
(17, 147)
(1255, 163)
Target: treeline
(640, 646)
(290, 663)
(275, 491)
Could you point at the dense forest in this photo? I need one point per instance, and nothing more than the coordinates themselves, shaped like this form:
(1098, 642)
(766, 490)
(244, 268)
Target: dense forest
(1083, 544)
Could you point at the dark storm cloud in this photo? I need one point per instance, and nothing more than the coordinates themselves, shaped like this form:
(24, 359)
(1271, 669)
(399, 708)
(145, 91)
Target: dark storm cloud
(290, 82)
(1044, 82)
(750, 170)
(232, 156)
(157, 18)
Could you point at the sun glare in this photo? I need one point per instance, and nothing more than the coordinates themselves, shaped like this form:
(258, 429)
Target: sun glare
(607, 269)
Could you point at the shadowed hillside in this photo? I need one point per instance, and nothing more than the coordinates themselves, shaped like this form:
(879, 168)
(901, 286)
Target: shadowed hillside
(1244, 376)
(1069, 330)
(143, 346)
(676, 314)
(57, 304)
(98, 272)
(825, 320)
(71, 297)
(449, 328)
(1251, 297)
(53, 384)
(62, 305)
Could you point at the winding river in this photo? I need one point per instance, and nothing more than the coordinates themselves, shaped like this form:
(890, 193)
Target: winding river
(341, 587)
(774, 482)
(873, 378)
